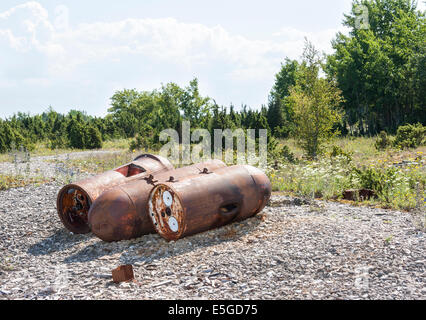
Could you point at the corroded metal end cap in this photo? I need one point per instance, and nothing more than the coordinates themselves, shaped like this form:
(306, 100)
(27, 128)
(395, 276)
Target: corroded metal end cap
(73, 204)
(74, 200)
(163, 162)
(113, 216)
(263, 185)
(207, 200)
(166, 212)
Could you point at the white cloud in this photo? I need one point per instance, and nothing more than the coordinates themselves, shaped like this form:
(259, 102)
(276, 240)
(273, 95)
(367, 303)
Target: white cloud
(163, 39)
(69, 52)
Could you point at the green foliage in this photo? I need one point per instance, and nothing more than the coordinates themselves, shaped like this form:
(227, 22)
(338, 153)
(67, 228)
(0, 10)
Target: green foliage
(143, 140)
(137, 143)
(383, 141)
(10, 135)
(377, 179)
(315, 102)
(285, 153)
(137, 115)
(76, 134)
(396, 187)
(279, 152)
(81, 136)
(57, 142)
(337, 151)
(380, 69)
(374, 179)
(93, 138)
(195, 108)
(280, 113)
(410, 136)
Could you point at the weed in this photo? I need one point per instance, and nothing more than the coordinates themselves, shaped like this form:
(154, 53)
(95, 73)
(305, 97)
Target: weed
(17, 181)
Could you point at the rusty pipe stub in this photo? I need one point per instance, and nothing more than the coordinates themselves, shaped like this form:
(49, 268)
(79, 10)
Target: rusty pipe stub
(74, 200)
(120, 213)
(207, 201)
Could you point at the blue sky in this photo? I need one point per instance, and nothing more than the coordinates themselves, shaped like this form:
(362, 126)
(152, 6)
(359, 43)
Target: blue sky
(76, 54)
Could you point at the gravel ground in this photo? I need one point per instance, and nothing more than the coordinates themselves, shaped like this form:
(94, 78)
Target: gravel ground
(292, 250)
(43, 165)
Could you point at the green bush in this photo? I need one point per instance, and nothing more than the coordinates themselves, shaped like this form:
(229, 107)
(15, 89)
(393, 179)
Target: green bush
(81, 137)
(378, 180)
(93, 138)
(141, 142)
(57, 142)
(3, 147)
(410, 136)
(285, 153)
(337, 151)
(76, 134)
(383, 141)
(277, 152)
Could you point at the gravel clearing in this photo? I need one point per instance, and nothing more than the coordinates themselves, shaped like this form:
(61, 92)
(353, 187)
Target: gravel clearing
(292, 250)
(46, 166)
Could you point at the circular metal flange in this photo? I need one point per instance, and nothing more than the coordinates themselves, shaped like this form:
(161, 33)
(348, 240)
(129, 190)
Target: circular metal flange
(73, 205)
(166, 212)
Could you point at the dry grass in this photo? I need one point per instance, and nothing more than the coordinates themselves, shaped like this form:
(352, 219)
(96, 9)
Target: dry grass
(99, 163)
(17, 181)
(329, 176)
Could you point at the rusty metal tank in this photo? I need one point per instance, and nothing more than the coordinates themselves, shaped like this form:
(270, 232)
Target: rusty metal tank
(121, 213)
(206, 201)
(74, 200)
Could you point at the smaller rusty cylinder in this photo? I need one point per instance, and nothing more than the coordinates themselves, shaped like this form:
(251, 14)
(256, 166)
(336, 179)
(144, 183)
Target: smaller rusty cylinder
(207, 201)
(123, 273)
(74, 200)
(121, 213)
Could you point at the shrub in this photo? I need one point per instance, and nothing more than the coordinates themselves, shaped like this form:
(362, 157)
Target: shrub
(272, 146)
(337, 151)
(80, 137)
(315, 102)
(57, 142)
(76, 134)
(93, 138)
(277, 152)
(410, 136)
(383, 141)
(378, 180)
(141, 142)
(3, 147)
(285, 153)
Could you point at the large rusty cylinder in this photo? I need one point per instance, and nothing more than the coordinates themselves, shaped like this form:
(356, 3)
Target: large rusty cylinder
(121, 213)
(203, 202)
(74, 200)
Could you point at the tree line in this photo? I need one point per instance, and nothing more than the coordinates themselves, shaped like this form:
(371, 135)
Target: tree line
(141, 114)
(374, 81)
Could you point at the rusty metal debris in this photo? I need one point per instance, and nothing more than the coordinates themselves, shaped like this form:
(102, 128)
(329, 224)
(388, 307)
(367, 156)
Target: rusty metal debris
(148, 195)
(202, 202)
(360, 194)
(123, 273)
(74, 200)
(121, 213)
